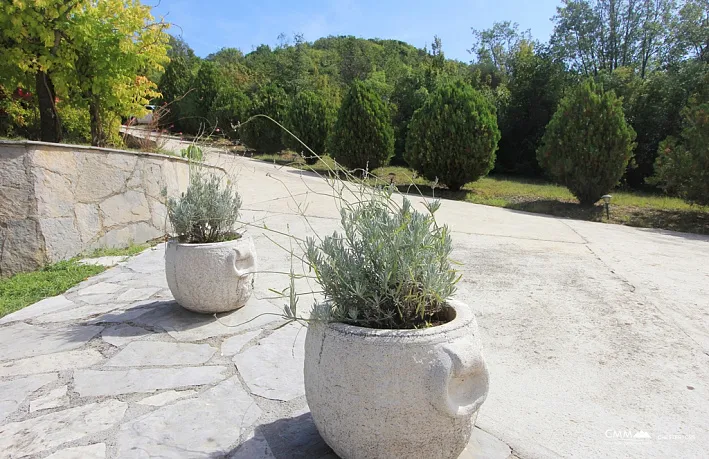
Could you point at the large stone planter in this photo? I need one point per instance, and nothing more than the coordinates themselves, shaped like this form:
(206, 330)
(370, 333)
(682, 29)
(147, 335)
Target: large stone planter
(211, 278)
(396, 393)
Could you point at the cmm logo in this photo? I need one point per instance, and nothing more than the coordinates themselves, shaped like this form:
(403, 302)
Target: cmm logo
(627, 435)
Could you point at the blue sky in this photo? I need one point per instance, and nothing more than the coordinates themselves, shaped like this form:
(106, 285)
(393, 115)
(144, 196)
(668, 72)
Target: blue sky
(208, 25)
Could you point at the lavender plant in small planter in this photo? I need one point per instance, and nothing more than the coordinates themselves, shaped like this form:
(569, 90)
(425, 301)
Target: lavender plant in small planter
(209, 266)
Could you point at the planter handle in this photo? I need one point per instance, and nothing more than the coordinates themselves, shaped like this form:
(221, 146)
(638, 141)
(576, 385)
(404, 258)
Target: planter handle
(459, 380)
(236, 257)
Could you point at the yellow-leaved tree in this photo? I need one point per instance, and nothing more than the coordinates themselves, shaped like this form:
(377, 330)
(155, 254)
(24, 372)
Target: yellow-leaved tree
(117, 44)
(97, 53)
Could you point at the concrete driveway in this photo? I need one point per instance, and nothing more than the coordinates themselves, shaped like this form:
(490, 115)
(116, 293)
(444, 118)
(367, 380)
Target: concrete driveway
(596, 335)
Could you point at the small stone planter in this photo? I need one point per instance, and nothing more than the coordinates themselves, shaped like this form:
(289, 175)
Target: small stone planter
(396, 393)
(211, 278)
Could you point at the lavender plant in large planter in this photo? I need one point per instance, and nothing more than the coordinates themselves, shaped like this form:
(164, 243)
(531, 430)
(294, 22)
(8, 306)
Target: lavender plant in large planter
(393, 366)
(209, 267)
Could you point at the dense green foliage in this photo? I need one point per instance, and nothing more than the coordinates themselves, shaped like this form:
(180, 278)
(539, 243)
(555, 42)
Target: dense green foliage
(682, 165)
(310, 118)
(260, 133)
(587, 144)
(362, 137)
(99, 55)
(206, 212)
(453, 136)
(535, 90)
(390, 269)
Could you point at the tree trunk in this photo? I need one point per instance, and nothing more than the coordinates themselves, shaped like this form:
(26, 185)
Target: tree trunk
(98, 139)
(50, 126)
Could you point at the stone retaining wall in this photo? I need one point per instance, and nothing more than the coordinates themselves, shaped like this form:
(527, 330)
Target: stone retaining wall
(57, 201)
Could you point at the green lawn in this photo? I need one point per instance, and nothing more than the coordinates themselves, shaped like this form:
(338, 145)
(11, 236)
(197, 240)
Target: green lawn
(132, 249)
(639, 209)
(23, 289)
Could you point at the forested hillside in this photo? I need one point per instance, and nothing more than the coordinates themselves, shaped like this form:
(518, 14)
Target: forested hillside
(653, 54)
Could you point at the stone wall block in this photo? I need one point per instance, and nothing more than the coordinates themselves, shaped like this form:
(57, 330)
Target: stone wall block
(53, 192)
(22, 246)
(97, 180)
(120, 237)
(60, 161)
(153, 177)
(87, 221)
(16, 192)
(158, 211)
(129, 207)
(61, 238)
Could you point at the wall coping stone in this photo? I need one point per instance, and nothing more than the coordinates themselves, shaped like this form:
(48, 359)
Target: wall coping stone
(70, 146)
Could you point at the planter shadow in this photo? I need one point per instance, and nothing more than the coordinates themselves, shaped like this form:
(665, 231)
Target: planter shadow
(288, 438)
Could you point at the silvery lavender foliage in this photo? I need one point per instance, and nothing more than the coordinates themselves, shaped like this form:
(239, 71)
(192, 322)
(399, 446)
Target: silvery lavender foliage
(206, 212)
(390, 267)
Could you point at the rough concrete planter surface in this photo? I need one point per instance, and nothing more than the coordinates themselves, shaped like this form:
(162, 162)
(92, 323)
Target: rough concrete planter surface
(396, 393)
(211, 278)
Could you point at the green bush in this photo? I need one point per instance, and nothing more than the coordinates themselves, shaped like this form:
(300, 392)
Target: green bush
(18, 118)
(193, 153)
(682, 165)
(206, 212)
(207, 85)
(362, 137)
(390, 269)
(587, 143)
(230, 107)
(453, 136)
(310, 118)
(262, 134)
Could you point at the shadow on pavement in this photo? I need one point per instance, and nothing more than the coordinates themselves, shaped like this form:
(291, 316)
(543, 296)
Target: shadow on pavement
(288, 438)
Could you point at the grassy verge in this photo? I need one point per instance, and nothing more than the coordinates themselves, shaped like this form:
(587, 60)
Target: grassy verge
(132, 249)
(638, 209)
(23, 289)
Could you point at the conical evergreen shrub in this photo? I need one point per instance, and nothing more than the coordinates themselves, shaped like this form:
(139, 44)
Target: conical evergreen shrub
(587, 143)
(262, 134)
(363, 137)
(310, 117)
(453, 136)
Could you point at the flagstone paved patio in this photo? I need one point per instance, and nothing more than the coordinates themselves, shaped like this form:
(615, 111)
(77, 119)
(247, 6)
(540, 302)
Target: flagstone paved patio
(115, 368)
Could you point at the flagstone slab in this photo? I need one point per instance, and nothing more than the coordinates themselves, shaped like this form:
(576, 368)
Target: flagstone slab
(166, 397)
(51, 362)
(100, 288)
(210, 426)
(22, 340)
(100, 299)
(122, 334)
(96, 451)
(118, 316)
(137, 294)
(45, 306)
(32, 436)
(233, 345)
(78, 313)
(158, 353)
(54, 399)
(15, 391)
(253, 447)
(274, 368)
(184, 325)
(93, 383)
(121, 277)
